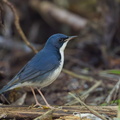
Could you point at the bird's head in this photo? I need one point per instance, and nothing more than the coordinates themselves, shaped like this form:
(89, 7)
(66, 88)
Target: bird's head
(59, 41)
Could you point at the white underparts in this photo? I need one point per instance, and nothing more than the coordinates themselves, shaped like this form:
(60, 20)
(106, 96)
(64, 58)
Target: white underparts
(62, 52)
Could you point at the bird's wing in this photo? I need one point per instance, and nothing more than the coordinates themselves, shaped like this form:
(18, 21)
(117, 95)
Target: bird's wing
(37, 68)
(29, 73)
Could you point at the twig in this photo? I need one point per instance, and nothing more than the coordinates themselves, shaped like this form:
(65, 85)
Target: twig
(90, 79)
(18, 27)
(46, 116)
(92, 88)
(114, 92)
(93, 111)
(85, 94)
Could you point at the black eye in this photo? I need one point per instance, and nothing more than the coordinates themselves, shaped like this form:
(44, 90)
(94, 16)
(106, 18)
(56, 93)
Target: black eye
(61, 40)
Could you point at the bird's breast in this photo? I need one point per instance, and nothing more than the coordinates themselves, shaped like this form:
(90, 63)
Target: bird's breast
(55, 73)
(52, 76)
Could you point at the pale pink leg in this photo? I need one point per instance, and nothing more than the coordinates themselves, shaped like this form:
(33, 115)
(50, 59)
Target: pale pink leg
(37, 103)
(44, 98)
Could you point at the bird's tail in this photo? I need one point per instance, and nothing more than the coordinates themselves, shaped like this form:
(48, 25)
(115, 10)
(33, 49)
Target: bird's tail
(9, 86)
(4, 89)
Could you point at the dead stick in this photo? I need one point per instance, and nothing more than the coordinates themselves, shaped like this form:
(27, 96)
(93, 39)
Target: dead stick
(25, 112)
(18, 27)
(90, 79)
(93, 111)
(85, 93)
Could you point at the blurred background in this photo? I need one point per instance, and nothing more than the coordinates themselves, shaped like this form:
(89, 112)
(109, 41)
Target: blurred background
(90, 58)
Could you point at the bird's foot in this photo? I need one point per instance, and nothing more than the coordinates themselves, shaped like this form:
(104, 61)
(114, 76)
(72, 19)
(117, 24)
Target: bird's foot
(36, 105)
(48, 106)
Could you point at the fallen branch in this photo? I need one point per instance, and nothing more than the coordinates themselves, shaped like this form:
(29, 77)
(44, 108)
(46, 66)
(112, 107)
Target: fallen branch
(26, 112)
(47, 9)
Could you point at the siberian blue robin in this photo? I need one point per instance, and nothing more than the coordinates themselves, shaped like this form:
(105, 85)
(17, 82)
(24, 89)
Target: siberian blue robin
(43, 68)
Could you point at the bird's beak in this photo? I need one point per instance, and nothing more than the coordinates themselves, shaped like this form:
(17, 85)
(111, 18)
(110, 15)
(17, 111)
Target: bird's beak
(71, 37)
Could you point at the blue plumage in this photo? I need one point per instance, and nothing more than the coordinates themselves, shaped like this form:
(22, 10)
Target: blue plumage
(44, 67)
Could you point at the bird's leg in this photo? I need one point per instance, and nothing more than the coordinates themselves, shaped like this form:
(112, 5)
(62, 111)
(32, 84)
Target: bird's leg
(44, 98)
(37, 103)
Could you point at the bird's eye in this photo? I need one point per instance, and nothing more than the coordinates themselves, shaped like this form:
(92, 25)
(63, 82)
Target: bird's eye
(61, 40)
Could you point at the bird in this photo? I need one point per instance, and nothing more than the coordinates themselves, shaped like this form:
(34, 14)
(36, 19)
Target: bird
(43, 69)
